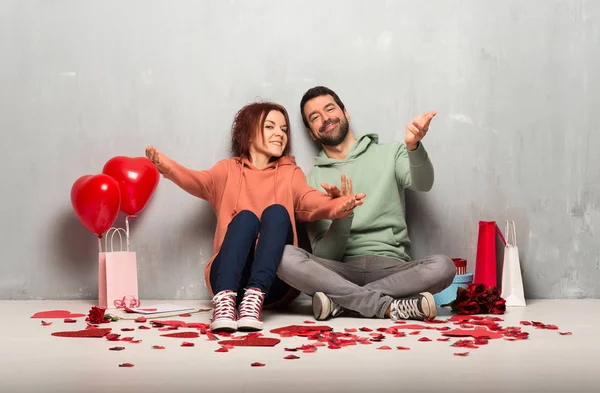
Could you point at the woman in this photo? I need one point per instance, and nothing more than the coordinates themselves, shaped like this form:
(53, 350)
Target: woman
(256, 195)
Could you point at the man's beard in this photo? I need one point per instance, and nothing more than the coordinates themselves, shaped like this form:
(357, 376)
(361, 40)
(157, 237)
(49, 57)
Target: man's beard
(332, 139)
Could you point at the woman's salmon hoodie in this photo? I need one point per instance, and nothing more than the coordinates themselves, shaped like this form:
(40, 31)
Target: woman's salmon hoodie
(234, 184)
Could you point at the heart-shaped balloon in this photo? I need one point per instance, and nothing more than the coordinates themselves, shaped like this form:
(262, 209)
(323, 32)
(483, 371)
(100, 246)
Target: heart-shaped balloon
(96, 200)
(137, 178)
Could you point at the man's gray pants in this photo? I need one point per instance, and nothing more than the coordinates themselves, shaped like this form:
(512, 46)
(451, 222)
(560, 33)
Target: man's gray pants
(366, 284)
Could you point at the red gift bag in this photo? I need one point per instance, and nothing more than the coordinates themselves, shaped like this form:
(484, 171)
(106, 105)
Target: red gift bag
(490, 246)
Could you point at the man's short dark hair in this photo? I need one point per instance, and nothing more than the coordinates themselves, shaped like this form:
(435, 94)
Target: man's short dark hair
(317, 92)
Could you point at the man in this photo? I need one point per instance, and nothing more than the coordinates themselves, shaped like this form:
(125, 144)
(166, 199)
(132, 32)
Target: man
(362, 263)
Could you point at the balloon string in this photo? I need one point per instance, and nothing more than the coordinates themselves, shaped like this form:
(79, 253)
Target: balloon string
(99, 244)
(127, 228)
(127, 231)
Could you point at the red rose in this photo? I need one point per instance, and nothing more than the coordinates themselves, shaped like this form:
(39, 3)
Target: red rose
(468, 308)
(497, 307)
(96, 315)
(476, 289)
(462, 295)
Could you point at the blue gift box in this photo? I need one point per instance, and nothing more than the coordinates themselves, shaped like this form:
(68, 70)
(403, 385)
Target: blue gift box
(449, 294)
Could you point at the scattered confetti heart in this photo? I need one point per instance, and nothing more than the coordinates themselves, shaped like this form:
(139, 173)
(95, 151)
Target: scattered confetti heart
(44, 323)
(126, 365)
(158, 347)
(403, 348)
(464, 344)
(384, 348)
(443, 339)
(252, 342)
(144, 327)
(128, 329)
(415, 333)
(424, 339)
(185, 315)
(565, 333)
(257, 364)
(461, 353)
(477, 332)
(365, 329)
(173, 323)
(309, 322)
(59, 314)
(182, 335)
(300, 330)
(350, 330)
(291, 357)
(211, 336)
(141, 319)
(410, 327)
(69, 320)
(87, 333)
(187, 344)
(116, 348)
(222, 350)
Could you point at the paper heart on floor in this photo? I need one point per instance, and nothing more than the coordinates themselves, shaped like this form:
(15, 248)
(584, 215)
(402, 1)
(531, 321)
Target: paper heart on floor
(479, 331)
(252, 342)
(409, 327)
(86, 333)
(56, 314)
(172, 323)
(182, 335)
(300, 330)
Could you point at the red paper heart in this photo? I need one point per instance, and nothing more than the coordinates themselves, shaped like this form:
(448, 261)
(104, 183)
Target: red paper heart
(56, 314)
(137, 179)
(479, 331)
(408, 327)
(252, 342)
(173, 323)
(89, 333)
(301, 330)
(182, 335)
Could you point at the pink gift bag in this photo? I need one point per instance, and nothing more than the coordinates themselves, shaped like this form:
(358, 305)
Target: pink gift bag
(117, 274)
(488, 263)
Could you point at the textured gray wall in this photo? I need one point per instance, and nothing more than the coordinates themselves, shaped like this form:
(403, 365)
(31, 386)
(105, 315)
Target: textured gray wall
(514, 84)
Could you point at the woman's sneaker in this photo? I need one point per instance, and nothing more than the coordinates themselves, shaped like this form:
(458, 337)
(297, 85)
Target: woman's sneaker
(418, 307)
(250, 310)
(224, 313)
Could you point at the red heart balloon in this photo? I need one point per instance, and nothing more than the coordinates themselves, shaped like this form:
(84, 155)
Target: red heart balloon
(137, 178)
(96, 201)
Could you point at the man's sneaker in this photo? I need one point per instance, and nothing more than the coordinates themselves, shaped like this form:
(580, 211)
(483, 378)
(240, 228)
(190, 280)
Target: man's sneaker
(224, 313)
(418, 307)
(250, 311)
(323, 307)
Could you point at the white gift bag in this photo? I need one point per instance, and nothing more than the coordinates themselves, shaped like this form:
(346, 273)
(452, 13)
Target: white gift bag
(512, 282)
(117, 274)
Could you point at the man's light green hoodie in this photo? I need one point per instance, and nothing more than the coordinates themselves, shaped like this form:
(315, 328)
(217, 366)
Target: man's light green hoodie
(378, 227)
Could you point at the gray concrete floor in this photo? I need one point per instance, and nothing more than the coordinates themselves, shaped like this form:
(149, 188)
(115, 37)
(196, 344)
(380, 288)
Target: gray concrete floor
(33, 360)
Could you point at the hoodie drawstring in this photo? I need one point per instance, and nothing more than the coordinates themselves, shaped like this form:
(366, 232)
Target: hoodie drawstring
(239, 189)
(275, 183)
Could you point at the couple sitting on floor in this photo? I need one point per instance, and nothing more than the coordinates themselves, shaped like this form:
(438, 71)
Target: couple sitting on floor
(360, 259)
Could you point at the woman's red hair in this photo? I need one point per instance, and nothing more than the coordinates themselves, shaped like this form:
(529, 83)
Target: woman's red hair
(249, 123)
